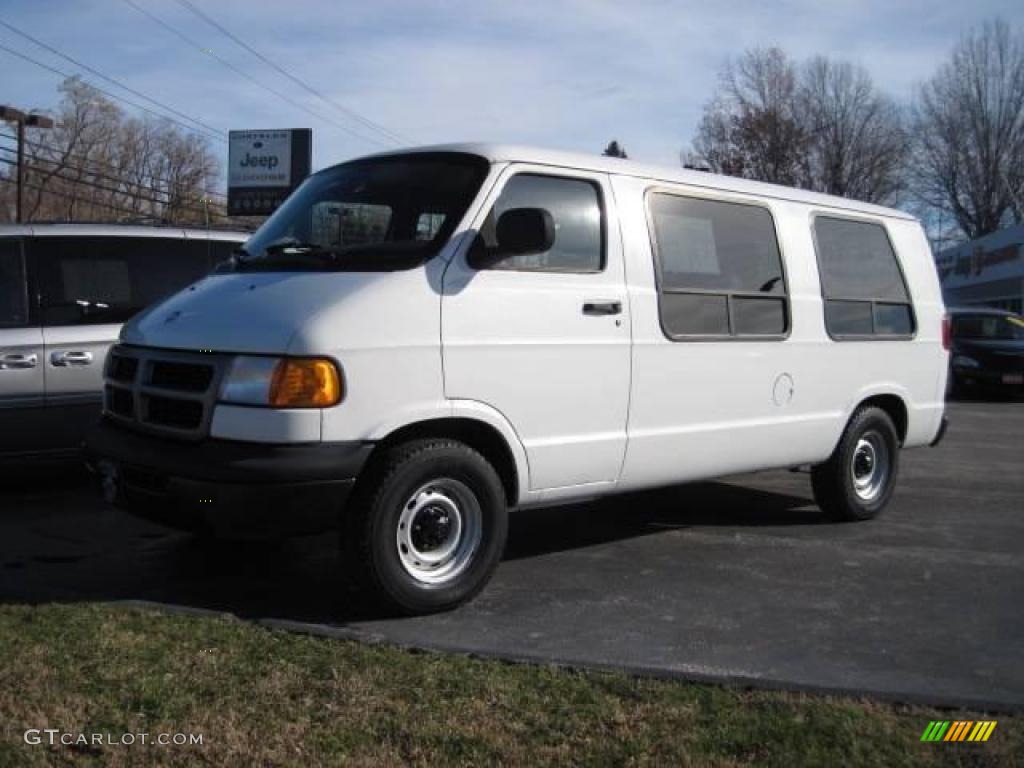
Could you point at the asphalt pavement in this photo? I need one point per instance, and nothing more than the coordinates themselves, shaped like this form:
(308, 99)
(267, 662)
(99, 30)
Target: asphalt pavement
(739, 580)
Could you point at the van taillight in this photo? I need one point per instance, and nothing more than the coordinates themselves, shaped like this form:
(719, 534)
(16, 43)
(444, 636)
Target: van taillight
(947, 332)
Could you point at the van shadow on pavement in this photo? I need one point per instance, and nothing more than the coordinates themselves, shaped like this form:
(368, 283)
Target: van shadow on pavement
(63, 544)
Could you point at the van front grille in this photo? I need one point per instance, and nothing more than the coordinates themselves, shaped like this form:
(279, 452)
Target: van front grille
(123, 368)
(169, 392)
(172, 412)
(121, 402)
(187, 377)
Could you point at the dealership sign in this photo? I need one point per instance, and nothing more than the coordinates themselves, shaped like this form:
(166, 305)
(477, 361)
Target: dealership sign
(264, 167)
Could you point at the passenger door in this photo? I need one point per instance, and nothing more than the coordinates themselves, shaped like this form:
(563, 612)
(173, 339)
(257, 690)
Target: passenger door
(21, 356)
(544, 338)
(90, 286)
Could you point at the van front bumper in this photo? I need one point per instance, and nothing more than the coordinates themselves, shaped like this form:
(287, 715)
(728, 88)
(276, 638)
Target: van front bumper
(229, 488)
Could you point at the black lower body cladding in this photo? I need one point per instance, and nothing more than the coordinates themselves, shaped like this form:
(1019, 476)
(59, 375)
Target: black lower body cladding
(232, 489)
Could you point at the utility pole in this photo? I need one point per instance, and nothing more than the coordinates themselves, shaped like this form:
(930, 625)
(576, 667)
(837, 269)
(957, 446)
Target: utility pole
(22, 119)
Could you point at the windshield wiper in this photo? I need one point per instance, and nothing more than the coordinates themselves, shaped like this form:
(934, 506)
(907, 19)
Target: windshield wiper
(298, 248)
(288, 254)
(373, 257)
(230, 264)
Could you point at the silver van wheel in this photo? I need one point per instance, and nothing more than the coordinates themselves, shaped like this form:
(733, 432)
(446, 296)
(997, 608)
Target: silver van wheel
(869, 466)
(439, 531)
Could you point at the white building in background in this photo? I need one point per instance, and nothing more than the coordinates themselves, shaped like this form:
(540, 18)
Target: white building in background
(986, 272)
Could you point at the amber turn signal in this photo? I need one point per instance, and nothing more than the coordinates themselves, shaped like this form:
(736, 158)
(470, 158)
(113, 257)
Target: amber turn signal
(311, 382)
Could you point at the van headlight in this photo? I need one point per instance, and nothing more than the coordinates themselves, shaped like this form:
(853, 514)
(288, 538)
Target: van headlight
(282, 382)
(963, 361)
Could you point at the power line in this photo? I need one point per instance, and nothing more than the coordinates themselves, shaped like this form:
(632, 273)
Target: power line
(168, 204)
(390, 135)
(193, 44)
(150, 176)
(111, 80)
(171, 202)
(64, 74)
(98, 168)
(94, 203)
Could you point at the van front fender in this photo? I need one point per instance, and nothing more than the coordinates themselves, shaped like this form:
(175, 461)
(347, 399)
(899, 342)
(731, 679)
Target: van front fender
(471, 410)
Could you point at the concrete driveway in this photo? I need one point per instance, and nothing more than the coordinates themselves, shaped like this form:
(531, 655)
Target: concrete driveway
(739, 580)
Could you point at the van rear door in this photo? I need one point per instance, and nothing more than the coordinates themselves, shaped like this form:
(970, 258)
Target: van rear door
(544, 338)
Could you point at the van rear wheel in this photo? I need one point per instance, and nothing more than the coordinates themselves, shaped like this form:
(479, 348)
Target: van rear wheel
(858, 480)
(427, 527)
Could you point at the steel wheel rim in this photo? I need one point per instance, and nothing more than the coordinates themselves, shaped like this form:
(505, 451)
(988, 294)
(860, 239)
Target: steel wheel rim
(870, 466)
(439, 531)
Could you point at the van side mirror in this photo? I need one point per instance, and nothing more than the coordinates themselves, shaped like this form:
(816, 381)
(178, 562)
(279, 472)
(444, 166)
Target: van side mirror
(525, 230)
(518, 231)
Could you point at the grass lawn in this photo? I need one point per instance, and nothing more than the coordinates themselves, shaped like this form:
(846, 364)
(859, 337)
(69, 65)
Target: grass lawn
(272, 698)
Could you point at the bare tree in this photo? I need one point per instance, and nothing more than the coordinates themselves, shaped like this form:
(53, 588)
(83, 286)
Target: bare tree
(750, 128)
(56, 171)
(98, 164)
(822, 126)
(856, 143)
(969, 132)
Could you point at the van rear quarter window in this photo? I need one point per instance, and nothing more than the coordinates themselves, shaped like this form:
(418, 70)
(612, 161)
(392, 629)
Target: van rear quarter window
(863, 288)
(719, 267)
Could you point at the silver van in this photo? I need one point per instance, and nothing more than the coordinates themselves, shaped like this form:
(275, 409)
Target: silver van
(65, 290)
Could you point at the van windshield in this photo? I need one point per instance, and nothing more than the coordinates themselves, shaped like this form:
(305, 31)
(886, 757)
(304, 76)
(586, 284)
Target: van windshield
(374, 214)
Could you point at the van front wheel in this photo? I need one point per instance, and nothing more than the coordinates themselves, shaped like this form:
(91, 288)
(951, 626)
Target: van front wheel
(426, 529)
(858, 479)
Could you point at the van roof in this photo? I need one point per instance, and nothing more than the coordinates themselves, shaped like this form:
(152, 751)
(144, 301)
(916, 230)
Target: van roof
(119, 230)
(497, 153)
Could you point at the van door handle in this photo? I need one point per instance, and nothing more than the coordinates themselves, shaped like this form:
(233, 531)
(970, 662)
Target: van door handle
(64, 359)
(602, 308)
(14, 361)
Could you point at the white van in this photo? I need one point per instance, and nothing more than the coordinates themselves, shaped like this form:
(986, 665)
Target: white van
(417, 342)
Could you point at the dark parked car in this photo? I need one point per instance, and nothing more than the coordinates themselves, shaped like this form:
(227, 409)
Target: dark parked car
(987, 349)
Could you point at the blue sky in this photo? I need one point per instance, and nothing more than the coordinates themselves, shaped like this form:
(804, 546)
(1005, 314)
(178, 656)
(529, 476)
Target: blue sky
(563, 73)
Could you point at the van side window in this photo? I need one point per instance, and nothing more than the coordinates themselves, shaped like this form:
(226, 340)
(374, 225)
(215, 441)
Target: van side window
(94, 280)
(719, 268)
(575, 206)
(864, 290)
(13, 290)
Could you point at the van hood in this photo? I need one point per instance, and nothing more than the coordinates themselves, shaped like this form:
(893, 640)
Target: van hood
(249, 312)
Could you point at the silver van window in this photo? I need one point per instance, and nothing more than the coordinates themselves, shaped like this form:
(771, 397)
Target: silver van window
(96, 280)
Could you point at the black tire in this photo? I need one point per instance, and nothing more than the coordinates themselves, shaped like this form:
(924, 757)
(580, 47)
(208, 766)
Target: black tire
(844, 486)
(441, 481)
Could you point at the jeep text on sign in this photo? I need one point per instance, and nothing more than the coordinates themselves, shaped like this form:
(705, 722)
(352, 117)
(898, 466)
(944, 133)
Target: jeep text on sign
(259, 159)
